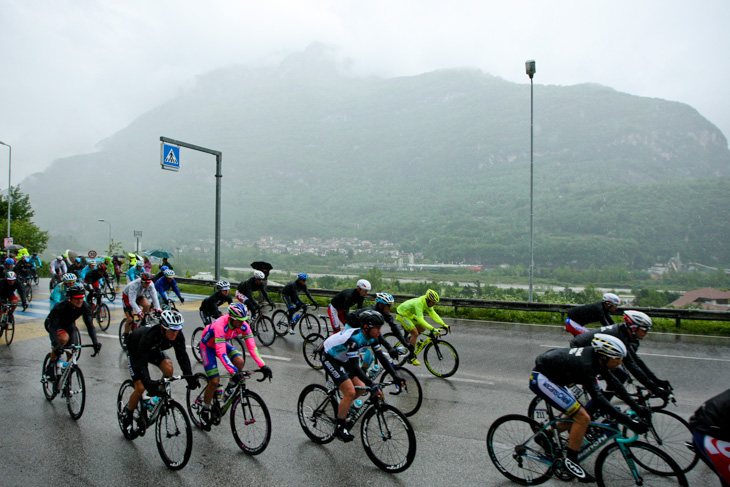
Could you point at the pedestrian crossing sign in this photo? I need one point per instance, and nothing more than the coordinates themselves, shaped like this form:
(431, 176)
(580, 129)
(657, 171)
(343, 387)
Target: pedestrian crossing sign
(170, 157)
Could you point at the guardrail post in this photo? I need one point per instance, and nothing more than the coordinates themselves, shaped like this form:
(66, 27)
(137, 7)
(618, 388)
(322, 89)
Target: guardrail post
(678, 322)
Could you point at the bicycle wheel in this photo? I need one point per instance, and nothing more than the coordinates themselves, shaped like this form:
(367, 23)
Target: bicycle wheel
(671, 434)
(102, 317)
(75, 392)
(28, 292)
(125, 391)
(388, 438)
(309, 349)
(441, 359)
(250, 423)
(195, 343)
(539, 410)
(395, 343)
(515, 453)
(9, 329)
(194, 400)
(174, 436)
(52, 283)
(317, 412)
(309, 324)
(407, 400)
(649, 463)
(264, 331)
(109, 292)
(281, 322)
(48, 384)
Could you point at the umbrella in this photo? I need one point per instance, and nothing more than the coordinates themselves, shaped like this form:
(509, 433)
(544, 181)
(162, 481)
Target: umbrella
(159, 253)
(262, 266)
(14, 247)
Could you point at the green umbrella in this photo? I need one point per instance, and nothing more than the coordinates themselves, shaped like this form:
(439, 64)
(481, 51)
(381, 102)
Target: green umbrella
(159, 253)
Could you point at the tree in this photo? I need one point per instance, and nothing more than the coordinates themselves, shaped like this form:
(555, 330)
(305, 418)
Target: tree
(22, 229)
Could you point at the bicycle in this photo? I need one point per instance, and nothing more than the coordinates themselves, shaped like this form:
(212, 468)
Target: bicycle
(168, 304)
(250, 419)
(439, 356)
(55, 279)
(27, 284)
(173, 433)
(7, 322)
(149, 319)
(70, 383)
(387, 435)
(107, 287)
(263, 328)
(308, 323)
(198, 334)
(100, 311)
(529, 453)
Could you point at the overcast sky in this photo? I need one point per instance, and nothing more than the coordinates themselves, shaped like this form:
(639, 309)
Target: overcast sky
(76, 71)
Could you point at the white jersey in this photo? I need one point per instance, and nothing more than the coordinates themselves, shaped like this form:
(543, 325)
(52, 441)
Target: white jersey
(135, 290)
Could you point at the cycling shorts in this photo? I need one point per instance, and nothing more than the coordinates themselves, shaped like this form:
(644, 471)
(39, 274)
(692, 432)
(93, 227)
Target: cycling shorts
(136, 373)
(574, 328)
(338, 371)
(715, 453)
(127, 307)
(337, 318)
(557, 396)
(408, 326)
(210, 361)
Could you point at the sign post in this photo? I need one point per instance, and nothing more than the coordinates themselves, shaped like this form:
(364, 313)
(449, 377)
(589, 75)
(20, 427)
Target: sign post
(138, 235)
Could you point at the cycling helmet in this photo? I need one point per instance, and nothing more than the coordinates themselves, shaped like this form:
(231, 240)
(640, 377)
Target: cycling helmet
(59, 258)
(432, 295)
(259, 275)
(608, 345)
(9, 261)
(384, 298)
(78, 259)
(637, 318)
(169, 273)
(172, 320)
(26, 258)
(302, 275)
(238, 312)
(611, 298)
(69, 277)
(364, 284)
(10, 276)
(164, 268)
(75, 291)
(91, 262)
(139, 263)
(371, 318)
(223, 285)
(146, 277)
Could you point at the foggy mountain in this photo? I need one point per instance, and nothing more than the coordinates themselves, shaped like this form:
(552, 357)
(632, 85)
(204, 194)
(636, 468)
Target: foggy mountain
(439, 163)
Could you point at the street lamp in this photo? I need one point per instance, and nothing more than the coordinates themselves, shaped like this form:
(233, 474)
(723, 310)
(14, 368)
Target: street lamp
(110, 233)
(10, 163)
(530, 69)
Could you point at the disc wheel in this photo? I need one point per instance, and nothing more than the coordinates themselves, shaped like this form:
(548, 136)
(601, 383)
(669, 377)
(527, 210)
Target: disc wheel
(309, 348)
(75, 392)
(406, 399)
(317, 412)
(388, 438)
(174, 436)
(441, 359)
(250, 423)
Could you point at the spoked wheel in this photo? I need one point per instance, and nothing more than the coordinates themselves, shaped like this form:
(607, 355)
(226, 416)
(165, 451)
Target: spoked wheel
(515, 453)
(28, 288)
(75, 392)
(671, 434)
(441, 359)
(121, 333)
(125, 391)
(396, 344)
(195, 343)
(265, 331)
(388, 438)
(309, 324)
(103, 317)
(309, 348)
(9, 329)
(109, 292)
(194, 400)
(174, 436)
(281, 322)
(652, 465)
(406, 399)
(250, 423)
(48, 384)
(317, 413)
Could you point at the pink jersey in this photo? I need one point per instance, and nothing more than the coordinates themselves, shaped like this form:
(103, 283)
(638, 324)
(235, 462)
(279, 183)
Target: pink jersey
(216, 334)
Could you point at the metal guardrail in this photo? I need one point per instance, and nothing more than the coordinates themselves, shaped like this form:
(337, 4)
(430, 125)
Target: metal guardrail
(677, 314)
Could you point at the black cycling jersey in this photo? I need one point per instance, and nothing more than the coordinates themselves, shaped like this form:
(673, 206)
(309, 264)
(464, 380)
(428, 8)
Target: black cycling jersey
(95, 274)
(292, 290)
(144, 346)
(7, 290)
(567, 366)
(633, 362)
(713, 417)
(210, 305)
(63, 316)
(249, 286)
(591, 313)
(23, 268)
(344, 300)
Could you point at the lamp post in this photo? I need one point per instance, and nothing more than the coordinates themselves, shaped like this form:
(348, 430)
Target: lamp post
(10, 164)
(110, 233)
(530, 69)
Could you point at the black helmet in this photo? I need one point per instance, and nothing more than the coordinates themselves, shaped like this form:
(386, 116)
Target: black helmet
(75, 292)
(371, 318)
(146, 277)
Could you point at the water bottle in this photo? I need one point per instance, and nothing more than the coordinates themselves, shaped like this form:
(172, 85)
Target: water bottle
(219, 392)
(150, 402)
(296, 318)
(228, 391)
(356, 404)
(60, 365)
(374, 371)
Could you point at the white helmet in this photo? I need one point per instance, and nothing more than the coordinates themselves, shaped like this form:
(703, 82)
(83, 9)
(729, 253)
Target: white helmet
(637, 318)
(611, 298)
(608, 345)
(363, 284)
(259, 275)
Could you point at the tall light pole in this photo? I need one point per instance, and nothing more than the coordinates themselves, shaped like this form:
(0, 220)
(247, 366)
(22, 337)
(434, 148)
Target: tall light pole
(110, 233)
(530, 69)
(10, 164)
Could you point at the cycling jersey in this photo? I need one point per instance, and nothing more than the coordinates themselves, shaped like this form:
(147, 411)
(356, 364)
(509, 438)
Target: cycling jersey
(353, 320)
(210, 305)
(214, 338)
(58, 295)
(7, 291)
(146, 345)
(23, 268)
(245, 290)
(163, 285)
(134, 290)
(92, 276)
(339, 308)
(411, 311)
(711, 434)
(292, 290)
(579, 316)
(63, 316)
(58, 267)
(134, 273)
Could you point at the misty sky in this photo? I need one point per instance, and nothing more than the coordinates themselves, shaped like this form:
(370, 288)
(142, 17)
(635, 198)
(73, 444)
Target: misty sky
(77, 71)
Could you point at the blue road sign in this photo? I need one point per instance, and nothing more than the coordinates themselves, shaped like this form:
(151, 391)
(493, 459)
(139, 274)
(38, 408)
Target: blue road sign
(170, 157)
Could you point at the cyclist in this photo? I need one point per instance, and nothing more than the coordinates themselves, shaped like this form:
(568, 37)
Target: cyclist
(8, 287)
(580, 316)
(209, 306)
(61, 325)
(341, 360)
(245, 290)
(383, 305)
(410, 315)
(634, 328)
(213, 343)
(76, 267)
(147, 345)
(58, 295)
(24, 268)
(135, 271)
(136, 296)
(160, 274)
(117, 269)
(92, 274)
(9, 265)
(290, 295)
(557, 369)
(711, 435)
(58, 267)
(341, 303)
(165, 284)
